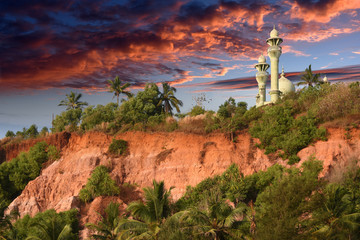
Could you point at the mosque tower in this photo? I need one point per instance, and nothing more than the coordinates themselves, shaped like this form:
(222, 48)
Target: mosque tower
(274, 52)
(261, 78)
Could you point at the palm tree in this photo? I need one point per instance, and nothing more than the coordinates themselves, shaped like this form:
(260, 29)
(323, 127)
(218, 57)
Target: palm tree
(168, 100)
(72, 101)
(219, 221)
(116, 87)
(148, 216)
(108, 226)
(338, 217)
(309, 78)
(50, 227)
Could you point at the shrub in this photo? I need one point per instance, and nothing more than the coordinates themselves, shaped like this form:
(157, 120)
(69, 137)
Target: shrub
(10, 134)
(53, 153)
(196, 110)
(278, 129)
(49, 222)
(69, 118)
(15, 175)
(94, 116)
(118, 147)
(44, 131)
(99, 184)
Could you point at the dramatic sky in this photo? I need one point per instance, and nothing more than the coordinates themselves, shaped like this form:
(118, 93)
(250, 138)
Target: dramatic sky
(51, 47)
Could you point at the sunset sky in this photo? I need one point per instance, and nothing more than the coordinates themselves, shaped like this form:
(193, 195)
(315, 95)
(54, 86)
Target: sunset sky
(51, 47)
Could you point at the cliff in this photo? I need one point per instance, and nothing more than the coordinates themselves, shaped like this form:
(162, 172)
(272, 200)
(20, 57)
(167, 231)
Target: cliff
(178, 158)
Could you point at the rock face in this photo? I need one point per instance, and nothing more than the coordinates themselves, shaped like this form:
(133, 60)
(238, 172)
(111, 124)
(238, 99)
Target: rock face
(178, 158)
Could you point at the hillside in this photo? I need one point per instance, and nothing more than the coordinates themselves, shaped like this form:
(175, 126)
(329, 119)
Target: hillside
(100, 160)
(180, 159)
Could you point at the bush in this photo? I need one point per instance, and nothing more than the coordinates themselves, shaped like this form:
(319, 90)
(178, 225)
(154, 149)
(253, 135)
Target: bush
(118, 147)
(69, 118)
(196, 110)
(44, 131)
(10, 134)
(278, 129)
(100, 114)
(49, 221)
(99, 184)
(15, 175)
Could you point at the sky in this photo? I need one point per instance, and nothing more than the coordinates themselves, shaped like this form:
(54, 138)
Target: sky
(201, 47)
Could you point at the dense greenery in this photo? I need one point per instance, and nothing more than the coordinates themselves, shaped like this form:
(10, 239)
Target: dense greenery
(118, 147)
(117, 88)
(47, 225)
(94, 116)
(99, 184)
(15, 174)
(293, 202)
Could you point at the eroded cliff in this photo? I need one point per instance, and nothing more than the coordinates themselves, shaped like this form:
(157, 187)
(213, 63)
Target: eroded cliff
(178, 158)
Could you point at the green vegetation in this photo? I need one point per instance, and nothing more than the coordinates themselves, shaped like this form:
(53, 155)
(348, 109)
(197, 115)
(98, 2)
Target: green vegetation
(72, 101)
(15, 174)
(99, 184)
(310, 79)
(94, 116)
(116, 87)
(118, 147)
(47, 225)
(167, 99)
(68, 120)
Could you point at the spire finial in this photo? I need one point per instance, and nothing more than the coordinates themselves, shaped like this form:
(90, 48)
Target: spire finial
(282, 72)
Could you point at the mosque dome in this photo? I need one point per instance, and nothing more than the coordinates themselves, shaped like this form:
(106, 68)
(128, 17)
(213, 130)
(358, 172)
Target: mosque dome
(325, 79)
(285, 85)
(274, 33)
(262, 59)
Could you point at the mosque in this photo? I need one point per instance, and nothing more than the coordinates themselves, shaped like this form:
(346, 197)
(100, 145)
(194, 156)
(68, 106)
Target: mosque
(279, 87)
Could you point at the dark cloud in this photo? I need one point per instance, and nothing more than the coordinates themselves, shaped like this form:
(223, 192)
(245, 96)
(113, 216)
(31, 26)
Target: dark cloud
(72, 43)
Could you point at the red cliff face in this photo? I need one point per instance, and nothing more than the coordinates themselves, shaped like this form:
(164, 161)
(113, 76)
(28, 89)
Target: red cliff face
(180, 159)
(11, 150)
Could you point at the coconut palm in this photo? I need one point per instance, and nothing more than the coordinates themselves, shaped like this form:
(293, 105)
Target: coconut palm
(168, 100)
(148, 216)
(309, 78)
(51, 227)
(116, 87)
(108, 226)
(72, 101)
(337, 218)
(219, 221)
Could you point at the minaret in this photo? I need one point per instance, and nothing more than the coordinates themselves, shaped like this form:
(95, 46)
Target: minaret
(261, 78)
(274, 52)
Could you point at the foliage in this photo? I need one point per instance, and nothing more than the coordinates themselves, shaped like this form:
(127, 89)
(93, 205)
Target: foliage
(139, 108)
(280, 206)
(44, 131)
(72, 101)
(167, 99)
(99, 184)
(69, 118)
(337, 217)
(278, 129)
(108, 226)
(10, 134)
(47, 225)
(93, 116)
(116, 87)
(32, 131)
(118, 147)
(196, 110)
(148, 216)
(309, 78)
(15, 175)
(53, 153)
(231, 185)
